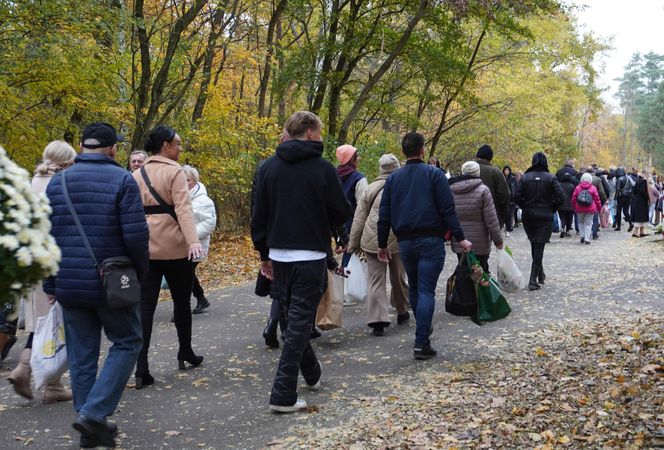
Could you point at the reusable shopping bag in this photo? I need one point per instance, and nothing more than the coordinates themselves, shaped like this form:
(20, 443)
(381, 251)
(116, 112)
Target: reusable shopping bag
(604, 216)
(49, 354)
(491, 303)
(356, 283)
(460, 295)
(329, 313)
(510, 278)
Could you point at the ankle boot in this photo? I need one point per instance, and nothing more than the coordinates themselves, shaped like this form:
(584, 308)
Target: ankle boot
(532, 284)
(20, 376)
(56, 392)
(270, 333)
(541, 277)
(201, 304)
(190, 357)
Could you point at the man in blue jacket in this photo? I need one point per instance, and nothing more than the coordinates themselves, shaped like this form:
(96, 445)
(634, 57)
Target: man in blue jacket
(419, 207)
(107, 201)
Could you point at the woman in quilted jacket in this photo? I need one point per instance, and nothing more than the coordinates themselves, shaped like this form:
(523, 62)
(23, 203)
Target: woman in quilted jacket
(205, 217)
(586, 203)
(363, 236)
(476, 212)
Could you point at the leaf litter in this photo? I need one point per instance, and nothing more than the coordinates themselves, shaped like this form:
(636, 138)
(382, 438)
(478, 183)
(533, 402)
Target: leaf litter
(591, 385)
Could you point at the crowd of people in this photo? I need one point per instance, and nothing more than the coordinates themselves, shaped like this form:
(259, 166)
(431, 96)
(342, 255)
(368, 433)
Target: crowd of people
(158, 213)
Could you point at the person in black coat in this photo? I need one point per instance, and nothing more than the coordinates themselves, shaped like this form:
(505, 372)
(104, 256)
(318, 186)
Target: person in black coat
(511, 184)
(565, 210)
(640, 203)
(538, 194)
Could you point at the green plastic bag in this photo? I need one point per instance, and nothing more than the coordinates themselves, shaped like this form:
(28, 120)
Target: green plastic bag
(491, 303)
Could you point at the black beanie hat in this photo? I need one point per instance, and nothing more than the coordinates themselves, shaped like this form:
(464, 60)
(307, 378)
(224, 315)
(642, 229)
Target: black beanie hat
(485, 152)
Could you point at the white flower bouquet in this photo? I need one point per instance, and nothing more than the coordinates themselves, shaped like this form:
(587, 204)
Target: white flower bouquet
(28, 252)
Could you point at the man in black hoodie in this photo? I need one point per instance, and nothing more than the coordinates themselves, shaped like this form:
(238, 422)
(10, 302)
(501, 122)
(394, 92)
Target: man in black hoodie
(298, 200)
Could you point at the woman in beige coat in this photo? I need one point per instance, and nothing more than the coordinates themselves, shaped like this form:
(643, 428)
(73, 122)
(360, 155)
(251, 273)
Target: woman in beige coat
(363, 236)
(476, 212)
(173, 244)
(58, 155)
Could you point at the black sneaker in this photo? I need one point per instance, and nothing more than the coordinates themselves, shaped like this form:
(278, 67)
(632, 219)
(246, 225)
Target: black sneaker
(631, 227)
(88, 441)
(378, 330)
(424, 352)
(96, 433)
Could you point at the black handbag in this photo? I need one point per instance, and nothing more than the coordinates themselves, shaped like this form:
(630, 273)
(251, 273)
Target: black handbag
(119, 280)
(460, 296)
(262, 285)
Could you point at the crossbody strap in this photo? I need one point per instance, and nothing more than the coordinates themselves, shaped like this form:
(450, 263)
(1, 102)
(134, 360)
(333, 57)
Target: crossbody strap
(170, 209)
(76, 219)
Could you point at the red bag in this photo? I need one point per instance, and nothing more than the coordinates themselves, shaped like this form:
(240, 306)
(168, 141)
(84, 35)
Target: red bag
(604, 216)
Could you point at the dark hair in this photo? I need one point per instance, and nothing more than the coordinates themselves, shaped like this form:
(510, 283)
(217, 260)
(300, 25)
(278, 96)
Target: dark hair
(157, 137)
(411, 144)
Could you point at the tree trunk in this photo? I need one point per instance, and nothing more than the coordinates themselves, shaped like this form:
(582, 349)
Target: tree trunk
(267, 68)
(375, 78)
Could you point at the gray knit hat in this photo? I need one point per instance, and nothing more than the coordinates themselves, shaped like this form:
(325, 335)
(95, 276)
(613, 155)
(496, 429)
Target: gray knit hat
(388, 163)
(470, 168)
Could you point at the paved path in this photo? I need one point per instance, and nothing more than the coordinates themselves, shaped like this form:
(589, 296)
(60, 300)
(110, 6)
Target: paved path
(223, 403)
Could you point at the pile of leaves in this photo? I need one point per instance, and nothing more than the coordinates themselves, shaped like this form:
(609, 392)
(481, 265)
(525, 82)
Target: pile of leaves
(232, 261)
(598, 385)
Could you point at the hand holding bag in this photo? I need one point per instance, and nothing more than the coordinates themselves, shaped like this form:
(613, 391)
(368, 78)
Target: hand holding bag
(119, 280)
(49, 354)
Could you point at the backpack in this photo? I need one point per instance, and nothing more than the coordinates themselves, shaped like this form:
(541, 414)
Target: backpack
(584, 198)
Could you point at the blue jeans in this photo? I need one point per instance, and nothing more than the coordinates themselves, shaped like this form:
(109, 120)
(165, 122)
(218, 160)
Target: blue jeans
(595, 224)
(96, 398)
(423, 259)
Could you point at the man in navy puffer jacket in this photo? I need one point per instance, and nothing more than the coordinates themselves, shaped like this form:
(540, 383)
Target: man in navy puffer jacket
(107, 200)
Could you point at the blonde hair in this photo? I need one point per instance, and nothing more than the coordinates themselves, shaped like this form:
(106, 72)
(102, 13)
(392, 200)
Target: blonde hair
(57, 155)
(301, 121)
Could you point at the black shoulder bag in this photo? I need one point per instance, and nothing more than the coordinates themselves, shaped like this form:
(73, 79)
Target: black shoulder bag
(120, 286)
(163, 208)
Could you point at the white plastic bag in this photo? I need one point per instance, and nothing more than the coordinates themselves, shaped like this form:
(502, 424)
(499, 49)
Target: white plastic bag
(356, 283)
(49, 354)
(510, 278)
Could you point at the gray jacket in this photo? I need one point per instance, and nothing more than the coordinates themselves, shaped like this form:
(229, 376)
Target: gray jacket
(477, 214)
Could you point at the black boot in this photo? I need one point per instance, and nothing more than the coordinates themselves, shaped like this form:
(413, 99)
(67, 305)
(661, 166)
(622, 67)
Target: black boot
(532, 284)
(143, 377)
(270, 333)
(541, 277)
(201, 304)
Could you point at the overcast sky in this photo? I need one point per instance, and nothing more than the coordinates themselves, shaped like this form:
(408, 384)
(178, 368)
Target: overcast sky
(633, 25)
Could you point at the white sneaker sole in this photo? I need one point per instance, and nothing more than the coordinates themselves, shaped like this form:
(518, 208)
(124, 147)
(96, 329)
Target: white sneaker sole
(299, 404)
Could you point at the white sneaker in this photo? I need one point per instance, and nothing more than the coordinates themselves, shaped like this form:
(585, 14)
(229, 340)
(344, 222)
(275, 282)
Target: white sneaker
(315, 387)
(349, 301)
(298, 405)
(507, 234)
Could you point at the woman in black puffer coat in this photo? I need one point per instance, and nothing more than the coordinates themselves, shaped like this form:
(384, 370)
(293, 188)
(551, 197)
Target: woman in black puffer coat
(565, 210)
(538, 194)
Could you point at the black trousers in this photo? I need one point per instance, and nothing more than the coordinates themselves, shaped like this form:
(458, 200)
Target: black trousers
(511, 218)
(197, 290)
(179, 274)
(566, 220)
(622, 207)
(298, 286)
(537, 252)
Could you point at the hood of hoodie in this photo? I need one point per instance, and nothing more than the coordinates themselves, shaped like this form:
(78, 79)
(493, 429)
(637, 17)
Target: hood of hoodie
(464, 184)
(585, 185)
(198, 190)
(295, 151)
(620, 172)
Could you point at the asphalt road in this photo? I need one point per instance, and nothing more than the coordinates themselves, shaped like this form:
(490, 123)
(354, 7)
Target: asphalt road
(224, 402)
